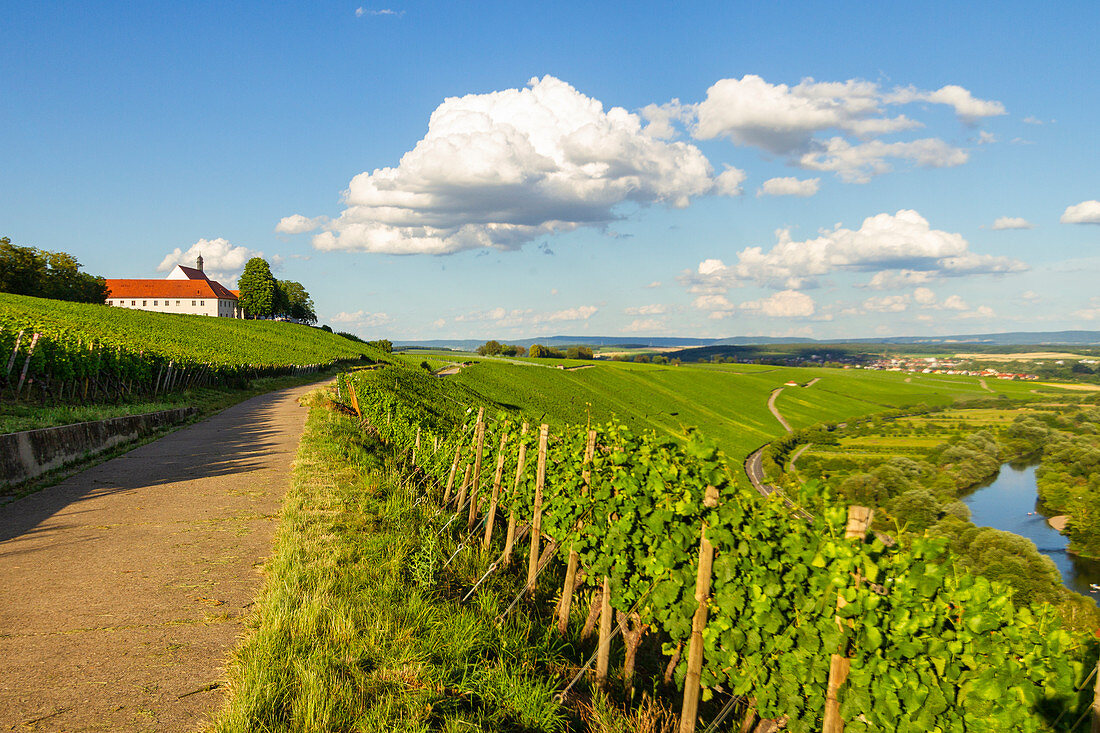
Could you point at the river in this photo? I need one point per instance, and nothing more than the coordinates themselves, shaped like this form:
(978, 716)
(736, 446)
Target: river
(1005, 503)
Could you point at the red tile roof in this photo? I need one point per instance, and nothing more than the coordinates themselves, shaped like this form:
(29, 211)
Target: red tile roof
(168, 289)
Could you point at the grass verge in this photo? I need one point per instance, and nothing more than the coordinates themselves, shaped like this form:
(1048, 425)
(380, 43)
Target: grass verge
(359, 626)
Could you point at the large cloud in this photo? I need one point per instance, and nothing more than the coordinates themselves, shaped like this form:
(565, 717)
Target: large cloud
(220, 259)
(858, 163)
(791, 121)
(903, 241)
(501, 169)
(1086, 212)
(782, 119)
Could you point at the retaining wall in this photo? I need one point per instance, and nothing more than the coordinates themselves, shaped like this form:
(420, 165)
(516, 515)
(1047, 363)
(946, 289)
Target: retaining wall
(31, 453)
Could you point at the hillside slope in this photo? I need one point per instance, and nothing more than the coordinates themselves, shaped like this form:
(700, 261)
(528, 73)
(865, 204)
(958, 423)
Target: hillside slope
(224, 341)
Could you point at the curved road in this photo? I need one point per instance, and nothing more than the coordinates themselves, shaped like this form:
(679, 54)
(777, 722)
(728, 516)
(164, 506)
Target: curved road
(125, 586)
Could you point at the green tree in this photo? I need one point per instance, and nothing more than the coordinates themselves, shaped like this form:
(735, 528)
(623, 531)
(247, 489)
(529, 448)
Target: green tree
(490, 348)
(258, 288)
(578, 352)
(294, 302)
(30, 271)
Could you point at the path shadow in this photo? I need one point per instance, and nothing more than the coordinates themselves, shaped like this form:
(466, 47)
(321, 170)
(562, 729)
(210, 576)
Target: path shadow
(231, 443)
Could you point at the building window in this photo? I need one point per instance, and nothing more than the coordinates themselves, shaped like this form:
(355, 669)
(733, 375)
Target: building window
(192, 302)
(202, 302)
(145, 302)
(155, 303)
(133, 302)
(177, 302)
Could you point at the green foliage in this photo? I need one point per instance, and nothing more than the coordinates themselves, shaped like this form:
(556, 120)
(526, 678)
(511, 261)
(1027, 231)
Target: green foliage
(383, 345)
(36, 272)
(932, 646)
(293, 301)
(258, 289)
(133, 348)
(538, 351)
(578, 352)
(490, 348)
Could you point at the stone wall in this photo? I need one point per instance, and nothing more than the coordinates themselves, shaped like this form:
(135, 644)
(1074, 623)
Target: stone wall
(31, 453)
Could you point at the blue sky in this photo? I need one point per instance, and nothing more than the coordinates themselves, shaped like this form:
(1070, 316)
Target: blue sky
(506, 170)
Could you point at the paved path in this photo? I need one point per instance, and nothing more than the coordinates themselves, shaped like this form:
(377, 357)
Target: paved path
(775, 410)
(124, 586)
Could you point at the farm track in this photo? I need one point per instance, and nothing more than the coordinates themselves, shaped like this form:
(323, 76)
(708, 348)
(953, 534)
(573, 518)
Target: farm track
(775, 410)
(126, 585)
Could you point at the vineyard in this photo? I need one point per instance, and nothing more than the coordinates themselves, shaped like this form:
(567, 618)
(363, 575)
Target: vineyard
(805, 623)
(53, 351)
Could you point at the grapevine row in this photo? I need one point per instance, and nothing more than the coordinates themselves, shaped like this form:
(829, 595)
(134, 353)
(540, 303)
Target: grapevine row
(930, 647)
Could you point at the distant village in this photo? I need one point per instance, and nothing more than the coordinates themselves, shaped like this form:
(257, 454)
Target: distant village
(933, 365)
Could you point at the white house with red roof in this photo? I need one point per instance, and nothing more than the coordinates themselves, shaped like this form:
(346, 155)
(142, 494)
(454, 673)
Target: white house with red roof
(185, 290)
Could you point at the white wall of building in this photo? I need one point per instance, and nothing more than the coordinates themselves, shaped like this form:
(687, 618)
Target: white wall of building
(190, 306)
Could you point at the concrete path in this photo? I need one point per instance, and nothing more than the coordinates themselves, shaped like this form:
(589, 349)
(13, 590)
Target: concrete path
(124, 586)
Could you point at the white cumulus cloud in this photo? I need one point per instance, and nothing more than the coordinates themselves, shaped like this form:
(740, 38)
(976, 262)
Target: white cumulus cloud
(220, 259)
(887, 304)
(823, 126)
(298, 224)
(784, 304)
(968, 107)
(782, 119)
(362, 318)
(1086, 212)
(654, 309)
(498, 170)
(858, 163)
(789, 186)
(903, 241)
(1011, 222)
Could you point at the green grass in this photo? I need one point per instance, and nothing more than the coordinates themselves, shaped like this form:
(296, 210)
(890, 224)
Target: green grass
(359, 626)
(727, 403)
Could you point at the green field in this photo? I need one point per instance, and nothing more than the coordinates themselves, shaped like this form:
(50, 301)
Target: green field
(726, 403)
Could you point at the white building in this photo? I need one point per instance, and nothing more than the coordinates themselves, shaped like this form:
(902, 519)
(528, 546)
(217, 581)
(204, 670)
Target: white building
(185, 290)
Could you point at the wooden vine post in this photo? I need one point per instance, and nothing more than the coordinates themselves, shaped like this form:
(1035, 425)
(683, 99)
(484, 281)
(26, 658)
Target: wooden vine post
(477, 470)
(574, 559)
(462, 491)
(355, 402)
(451, 478)
(416, 445)
(26, 365)
(536, 520)
(14, 353)
(690, 712)
(498, 477)
(510, 536)
(859, 519)
(603, 651)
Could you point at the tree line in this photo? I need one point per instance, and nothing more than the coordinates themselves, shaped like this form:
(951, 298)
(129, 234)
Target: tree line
(537, 351)
(44, 274)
